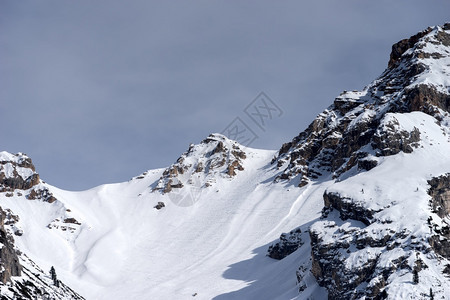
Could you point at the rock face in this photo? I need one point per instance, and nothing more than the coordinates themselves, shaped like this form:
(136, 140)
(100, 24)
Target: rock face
(9, 260)
(359, 127)
(440, 195)
(356, 252)
(200, 164)
(347, 207)
(346, 255)
(440, 205)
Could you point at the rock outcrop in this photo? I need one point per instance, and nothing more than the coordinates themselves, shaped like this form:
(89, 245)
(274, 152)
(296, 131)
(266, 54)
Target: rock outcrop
(16, 172)
(18, 175)
(440, 195)
(355, 254)
(200, 164)
(440, 205)
(287, 244)
(9, 261)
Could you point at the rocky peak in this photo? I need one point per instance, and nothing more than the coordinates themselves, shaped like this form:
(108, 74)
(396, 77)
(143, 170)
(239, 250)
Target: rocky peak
(400, 48)
(18, 176)
(16, 172)
(201, 165)
(361, 126)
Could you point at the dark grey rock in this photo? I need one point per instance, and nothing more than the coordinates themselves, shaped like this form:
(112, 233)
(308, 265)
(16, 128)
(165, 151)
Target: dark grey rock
(159, 205)
(9, 261)
(440, 195)
(287, 244)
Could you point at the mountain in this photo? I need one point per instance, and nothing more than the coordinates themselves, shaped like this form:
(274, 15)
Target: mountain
(385, 218)
(20, 277)
(355, 207)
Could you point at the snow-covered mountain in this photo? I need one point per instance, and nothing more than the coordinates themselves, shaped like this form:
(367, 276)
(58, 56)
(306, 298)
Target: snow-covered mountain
(20, 277)
(387, 148)
(355, 207)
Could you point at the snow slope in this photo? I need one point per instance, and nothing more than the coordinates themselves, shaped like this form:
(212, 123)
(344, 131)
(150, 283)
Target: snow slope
(125, 248)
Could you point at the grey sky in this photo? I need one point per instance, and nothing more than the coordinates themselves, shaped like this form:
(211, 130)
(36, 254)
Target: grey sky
(100, 91)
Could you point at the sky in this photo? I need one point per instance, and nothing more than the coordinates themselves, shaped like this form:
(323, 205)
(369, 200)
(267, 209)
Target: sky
(100, 91)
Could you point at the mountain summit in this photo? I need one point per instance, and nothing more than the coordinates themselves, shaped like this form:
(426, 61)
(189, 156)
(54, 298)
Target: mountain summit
(359, 127)
(356, 206)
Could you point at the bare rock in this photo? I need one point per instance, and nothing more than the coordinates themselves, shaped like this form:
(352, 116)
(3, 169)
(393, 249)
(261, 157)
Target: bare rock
(41, 193)
(159, 205)
(9, 261)
(287, 244)
(401, 47)
(440, 195)
(348, 208)
(71, 221)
